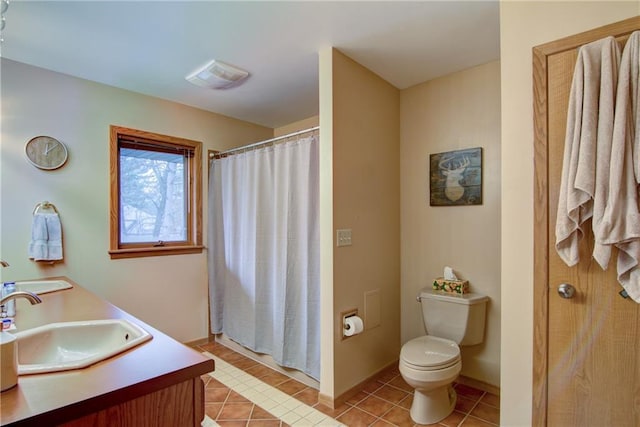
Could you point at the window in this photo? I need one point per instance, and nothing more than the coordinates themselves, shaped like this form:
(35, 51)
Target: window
(156, 194)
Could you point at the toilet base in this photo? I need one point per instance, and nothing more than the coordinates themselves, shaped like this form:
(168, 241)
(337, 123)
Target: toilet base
(430, 407)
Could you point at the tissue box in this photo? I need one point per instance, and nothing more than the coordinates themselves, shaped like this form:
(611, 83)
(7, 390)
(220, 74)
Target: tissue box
(452, 286)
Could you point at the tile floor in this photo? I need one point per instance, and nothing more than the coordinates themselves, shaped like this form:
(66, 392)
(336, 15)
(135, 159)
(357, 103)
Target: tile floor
(243, 392)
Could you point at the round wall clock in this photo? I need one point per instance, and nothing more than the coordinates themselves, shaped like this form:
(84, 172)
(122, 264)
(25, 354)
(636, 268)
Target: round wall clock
(46, 153)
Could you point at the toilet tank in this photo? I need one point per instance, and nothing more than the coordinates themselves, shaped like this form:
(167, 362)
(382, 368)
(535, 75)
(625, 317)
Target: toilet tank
(457, 317)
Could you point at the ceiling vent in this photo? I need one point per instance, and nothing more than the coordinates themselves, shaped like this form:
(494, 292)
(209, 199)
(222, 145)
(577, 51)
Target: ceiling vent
(217, 75)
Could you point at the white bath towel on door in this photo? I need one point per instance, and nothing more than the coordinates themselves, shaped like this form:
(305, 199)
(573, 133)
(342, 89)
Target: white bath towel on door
(620, 225)
(587, 151)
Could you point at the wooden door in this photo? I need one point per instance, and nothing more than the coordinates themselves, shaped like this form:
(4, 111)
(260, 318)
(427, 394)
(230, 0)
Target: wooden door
(586, 348)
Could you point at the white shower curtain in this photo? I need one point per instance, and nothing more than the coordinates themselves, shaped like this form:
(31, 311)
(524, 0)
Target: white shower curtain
(264, 259)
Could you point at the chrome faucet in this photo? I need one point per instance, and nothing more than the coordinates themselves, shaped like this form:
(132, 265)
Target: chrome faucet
(29, 296)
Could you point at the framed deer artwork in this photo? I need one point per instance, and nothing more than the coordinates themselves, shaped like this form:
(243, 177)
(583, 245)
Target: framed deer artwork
(455, 177)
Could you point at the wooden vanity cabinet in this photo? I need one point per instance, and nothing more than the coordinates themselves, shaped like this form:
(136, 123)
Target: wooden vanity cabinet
(178, 405)
(156, 384)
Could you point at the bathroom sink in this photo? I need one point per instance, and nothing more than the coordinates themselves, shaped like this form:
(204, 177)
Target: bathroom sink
(40, 287)
(74, 345)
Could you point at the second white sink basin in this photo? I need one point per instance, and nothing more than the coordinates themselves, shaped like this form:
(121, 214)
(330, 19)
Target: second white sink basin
(40, 287)
(74, 345)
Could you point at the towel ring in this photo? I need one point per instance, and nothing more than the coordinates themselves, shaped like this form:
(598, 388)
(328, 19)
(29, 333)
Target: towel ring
(45, 206)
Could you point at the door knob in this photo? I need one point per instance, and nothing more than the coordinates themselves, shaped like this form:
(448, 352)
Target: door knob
(565, 290)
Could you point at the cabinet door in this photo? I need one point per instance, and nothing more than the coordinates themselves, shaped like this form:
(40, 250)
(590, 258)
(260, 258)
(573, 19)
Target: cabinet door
(178, 405)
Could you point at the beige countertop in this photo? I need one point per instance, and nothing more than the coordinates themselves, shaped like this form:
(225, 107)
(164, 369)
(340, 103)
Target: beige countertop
(53, 398)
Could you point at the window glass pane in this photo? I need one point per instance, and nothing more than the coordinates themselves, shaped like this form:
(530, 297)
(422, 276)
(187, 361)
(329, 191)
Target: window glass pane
(153, 196)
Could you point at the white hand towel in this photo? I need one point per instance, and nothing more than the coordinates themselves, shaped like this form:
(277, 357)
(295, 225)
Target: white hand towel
(46, 237)
(39, 238)
(587, 148)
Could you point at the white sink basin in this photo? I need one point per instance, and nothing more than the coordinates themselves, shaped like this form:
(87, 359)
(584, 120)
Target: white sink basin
(40, 287)
(74, 345)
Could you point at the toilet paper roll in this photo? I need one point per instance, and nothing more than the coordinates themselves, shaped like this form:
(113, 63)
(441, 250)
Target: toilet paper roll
(352, 325)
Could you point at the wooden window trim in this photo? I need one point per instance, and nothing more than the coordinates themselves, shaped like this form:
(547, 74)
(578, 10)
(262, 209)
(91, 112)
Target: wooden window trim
(194, 243)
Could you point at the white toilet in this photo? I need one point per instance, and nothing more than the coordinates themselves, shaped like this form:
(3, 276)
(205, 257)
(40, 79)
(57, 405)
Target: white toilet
(431, 363)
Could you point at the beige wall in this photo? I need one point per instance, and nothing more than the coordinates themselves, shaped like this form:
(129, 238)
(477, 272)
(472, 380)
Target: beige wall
(523, 26)
(168, 292)
(366, 185)
(327, 359)
(297, 126)
(461, 110)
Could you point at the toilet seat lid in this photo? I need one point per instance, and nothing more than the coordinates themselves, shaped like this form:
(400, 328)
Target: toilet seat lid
(430, 352)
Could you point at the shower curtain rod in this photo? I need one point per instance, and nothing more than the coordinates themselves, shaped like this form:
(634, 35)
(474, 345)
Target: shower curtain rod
(256, 144)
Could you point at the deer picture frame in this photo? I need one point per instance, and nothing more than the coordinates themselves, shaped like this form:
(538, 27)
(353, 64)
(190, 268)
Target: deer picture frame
(455, 177)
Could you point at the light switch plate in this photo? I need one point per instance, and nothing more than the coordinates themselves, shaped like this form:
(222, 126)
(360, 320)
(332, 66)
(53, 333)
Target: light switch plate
(343, 237)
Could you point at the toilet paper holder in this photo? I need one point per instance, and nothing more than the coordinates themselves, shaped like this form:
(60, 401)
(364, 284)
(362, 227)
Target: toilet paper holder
(345, 325)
